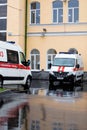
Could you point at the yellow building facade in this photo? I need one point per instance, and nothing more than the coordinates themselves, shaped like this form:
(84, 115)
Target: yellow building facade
(62, 25)
(16, 21)
(51, 26)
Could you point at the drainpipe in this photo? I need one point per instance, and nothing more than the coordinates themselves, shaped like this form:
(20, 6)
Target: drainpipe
(25, 46)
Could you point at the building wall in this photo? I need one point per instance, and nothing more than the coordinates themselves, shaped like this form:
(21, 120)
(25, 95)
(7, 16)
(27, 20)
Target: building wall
(63, 43)
(16, 21)
(60, 37)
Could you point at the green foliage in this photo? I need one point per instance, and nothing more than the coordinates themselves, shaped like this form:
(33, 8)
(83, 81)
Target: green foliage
(2, 89)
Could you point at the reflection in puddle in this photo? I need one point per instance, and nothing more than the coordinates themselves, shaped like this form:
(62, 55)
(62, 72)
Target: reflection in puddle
(58, 93)
(13, 118)
(46, 110)
(43, 113)
(35, 125)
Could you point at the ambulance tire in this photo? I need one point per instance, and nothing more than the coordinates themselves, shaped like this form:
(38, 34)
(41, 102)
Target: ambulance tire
(74, 80)
(51, 87)
(1, 82)
(81, 81)
(28, 83)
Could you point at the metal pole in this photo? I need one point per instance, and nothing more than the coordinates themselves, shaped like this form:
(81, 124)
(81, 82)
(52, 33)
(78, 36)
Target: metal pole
(26, 3)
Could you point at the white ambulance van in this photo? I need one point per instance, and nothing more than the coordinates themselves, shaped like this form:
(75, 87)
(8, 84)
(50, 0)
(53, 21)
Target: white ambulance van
(14, 69)
(66, 67)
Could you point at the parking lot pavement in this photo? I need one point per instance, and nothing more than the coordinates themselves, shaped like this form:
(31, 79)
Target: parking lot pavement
(44, 109)
(9, 96)
(44, 84)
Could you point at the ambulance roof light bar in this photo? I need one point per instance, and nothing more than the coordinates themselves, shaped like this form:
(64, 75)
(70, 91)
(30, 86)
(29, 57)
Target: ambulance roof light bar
(67, 53)
(63, 52)
(12, 42)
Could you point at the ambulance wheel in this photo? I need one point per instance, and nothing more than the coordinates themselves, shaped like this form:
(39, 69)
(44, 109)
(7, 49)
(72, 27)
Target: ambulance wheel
(51, 85)
(28, 83)
(81, 81)
(1, 82)
(74, 80)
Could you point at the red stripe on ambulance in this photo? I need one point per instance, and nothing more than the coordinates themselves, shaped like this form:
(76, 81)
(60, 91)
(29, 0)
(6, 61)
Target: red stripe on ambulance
(78, 69)
(15, 66)
(61, 68)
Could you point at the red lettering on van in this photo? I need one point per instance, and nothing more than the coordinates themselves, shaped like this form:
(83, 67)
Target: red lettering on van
(1, 54)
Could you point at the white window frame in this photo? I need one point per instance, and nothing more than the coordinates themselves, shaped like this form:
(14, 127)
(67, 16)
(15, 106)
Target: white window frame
(35, 11)
(34, 55)
(57, 10)
(3, 4)
(73, 10)
(52, 58)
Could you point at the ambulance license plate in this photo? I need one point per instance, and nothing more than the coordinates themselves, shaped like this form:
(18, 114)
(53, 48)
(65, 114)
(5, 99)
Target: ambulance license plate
(60, 78)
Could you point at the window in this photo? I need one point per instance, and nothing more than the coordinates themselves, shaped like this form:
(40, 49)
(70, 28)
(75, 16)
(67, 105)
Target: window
(73, 11)
(50, 57)
(69, 62)
(3, 10)
(35, 13)
(12, 56)
(57, 12)
(3, 24)
(22, 57)
(35, 125)
(35, 59)
(3, 19)
(3, 36)
(3, 1)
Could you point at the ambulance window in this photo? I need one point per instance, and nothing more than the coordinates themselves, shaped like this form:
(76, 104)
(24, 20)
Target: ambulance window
(12, 56)
(22, 57)
(69, 62)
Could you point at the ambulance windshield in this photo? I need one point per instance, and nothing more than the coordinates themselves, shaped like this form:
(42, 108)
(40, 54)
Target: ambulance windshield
(69, 62)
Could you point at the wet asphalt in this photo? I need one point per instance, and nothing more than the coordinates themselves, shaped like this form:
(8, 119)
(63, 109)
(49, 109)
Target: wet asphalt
(39, 86)
(36, 87)
(41, 109)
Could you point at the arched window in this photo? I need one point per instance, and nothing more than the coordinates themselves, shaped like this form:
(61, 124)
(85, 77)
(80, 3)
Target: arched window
(35, 13)
(57, 11)
(50, 56)
(35, 59)
(73, 50)
(73, 11)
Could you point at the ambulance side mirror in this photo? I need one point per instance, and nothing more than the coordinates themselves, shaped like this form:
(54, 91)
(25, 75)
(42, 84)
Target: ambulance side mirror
(28, 62)
(77, 66)
(50, 65)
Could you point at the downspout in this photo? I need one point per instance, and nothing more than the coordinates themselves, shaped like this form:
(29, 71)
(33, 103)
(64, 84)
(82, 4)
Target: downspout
(26, 3)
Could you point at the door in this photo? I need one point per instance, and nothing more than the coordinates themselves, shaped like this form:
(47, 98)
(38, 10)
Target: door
(10, 68)
(24, 69)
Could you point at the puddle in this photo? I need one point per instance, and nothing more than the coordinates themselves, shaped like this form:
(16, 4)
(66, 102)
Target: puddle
(12, 115)
(43, 113)
(41, 109)
(57, 93)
